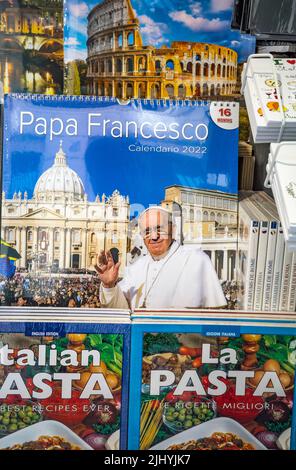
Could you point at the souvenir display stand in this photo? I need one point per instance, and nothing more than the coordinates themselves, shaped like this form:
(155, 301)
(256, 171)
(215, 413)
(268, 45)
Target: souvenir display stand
(148, 226)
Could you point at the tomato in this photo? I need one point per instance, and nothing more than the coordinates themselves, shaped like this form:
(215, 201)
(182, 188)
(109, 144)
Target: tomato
(12, 399)
(193, 352)
(186, 396)
(197, 363)
(69, 411)
(251, 338)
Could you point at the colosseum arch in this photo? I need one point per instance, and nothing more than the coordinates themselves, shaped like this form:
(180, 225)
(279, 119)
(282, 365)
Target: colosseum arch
(155, 91)
(219, 70)
(119, 65)
(110, 89)
(170, 90)
(120, 40)
(224, 71)
(119, 90)
(212, 90)
(109, 66)
(102, 66)
(206, 70)
(101, 89)
(129, 90)
(142, 64)
(142, 90)
(189, 67)
(170, 64)
(198, 69)
(182, 92)
(205, 89)
(158, 66)
(218, 89)
(213, 70)
(131, 38)
(130, 64)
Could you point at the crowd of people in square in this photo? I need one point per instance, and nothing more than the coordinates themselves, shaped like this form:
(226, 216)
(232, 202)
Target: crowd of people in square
(50, 291)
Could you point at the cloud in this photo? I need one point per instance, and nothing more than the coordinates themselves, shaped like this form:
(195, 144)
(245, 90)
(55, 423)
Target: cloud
(72, 53)
(221, 5)
(198, 23)
(71, 41)
(79, 10)
(195, 8)
(235, 43)
(152, 30)
(75, 26)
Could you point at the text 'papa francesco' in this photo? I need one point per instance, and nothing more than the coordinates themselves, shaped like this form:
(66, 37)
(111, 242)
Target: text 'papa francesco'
(14, 383)
(97, 126)
(191, 382)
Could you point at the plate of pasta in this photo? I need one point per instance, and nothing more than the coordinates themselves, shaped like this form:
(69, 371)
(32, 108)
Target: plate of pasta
(217, 434)
(46, 435)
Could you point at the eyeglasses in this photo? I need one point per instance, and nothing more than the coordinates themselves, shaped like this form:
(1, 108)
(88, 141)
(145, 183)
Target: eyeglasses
(160, 231)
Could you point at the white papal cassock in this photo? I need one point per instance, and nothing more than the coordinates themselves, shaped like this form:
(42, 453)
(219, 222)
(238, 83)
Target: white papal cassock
(185, 277)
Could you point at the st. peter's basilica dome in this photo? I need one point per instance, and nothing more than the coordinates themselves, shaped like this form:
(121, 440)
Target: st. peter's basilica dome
(59, 180)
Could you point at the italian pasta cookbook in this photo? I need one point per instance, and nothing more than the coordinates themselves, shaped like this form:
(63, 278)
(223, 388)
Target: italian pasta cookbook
(212, 387)
(63, 385)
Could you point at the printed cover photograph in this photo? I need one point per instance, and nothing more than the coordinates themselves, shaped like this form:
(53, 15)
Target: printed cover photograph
(63, 392)
(118, 206)
(205, 393)
(153, 49)
(31, 46)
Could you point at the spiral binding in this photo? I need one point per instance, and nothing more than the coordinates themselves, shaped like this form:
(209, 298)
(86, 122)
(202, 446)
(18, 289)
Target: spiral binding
(133, 101)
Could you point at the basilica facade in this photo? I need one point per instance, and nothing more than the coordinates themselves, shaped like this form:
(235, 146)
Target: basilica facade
(119, 65)
(59, 228)
(208, 219)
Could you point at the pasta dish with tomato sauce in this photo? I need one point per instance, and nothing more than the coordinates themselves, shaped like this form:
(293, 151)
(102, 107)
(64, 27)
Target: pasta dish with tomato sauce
(45, 443)
(217, 441)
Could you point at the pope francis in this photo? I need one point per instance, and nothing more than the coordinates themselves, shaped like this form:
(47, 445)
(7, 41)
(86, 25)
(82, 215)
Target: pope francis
(170, 275)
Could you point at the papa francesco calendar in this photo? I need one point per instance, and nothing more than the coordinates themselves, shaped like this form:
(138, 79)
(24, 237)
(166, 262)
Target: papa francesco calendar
(78, 171)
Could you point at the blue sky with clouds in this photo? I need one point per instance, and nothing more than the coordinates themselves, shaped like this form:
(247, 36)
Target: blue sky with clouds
(164, 21)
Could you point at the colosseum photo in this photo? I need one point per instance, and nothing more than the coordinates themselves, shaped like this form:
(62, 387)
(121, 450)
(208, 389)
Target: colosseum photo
(119, 65)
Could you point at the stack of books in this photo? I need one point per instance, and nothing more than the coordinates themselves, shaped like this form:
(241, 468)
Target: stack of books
(281, 177)
(269, 88)
(267, 266)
